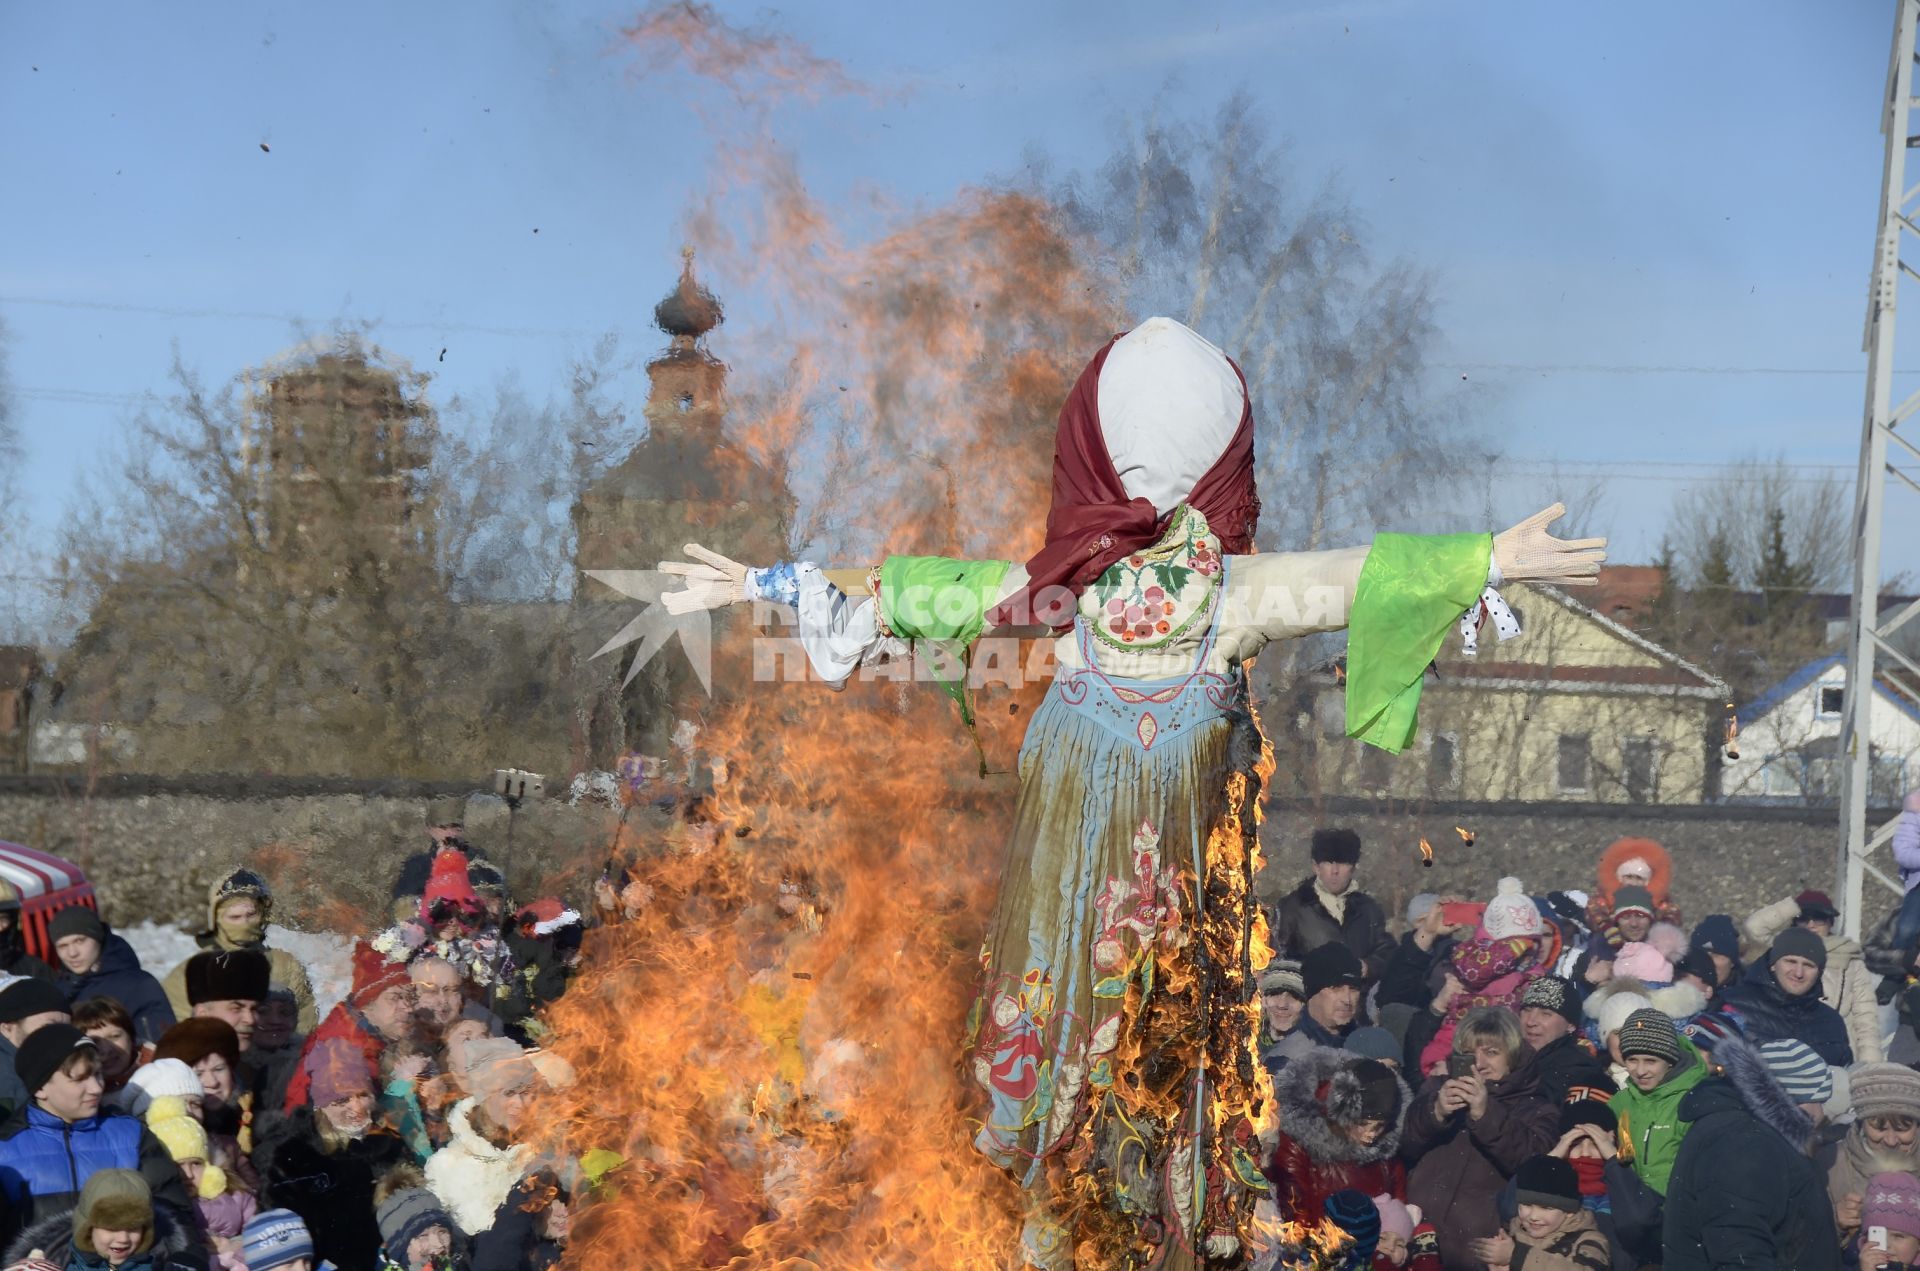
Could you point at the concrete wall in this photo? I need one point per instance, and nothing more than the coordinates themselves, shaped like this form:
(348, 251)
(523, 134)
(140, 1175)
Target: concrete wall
(152, 846)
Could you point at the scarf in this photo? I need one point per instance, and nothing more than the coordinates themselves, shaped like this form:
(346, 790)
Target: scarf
(1091, 523)
(1335, 905)
(1858, 1161)
(1592, 1173)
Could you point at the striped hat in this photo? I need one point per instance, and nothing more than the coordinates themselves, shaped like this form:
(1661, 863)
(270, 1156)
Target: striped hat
(273, 1239)
(1650, 1032)
(1802, 1074)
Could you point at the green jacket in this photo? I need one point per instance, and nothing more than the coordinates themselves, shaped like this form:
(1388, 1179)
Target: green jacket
(1650, 1124)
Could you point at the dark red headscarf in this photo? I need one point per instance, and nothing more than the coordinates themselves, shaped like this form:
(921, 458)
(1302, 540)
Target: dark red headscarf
(1092, 523)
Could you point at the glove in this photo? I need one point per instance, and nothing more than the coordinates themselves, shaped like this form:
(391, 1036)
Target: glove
(709, 581)
(1528, 554)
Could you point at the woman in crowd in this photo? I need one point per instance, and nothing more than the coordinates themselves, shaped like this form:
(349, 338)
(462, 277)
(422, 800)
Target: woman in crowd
(212, 1049)
(485, 1156)
(323, 1160)
(1467, 1133)
(1882, 1138)
(1341, 1118)
(107, 1022)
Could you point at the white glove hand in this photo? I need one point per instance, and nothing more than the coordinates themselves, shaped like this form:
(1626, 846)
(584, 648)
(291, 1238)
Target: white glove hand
(1528, 554)
(710, 581)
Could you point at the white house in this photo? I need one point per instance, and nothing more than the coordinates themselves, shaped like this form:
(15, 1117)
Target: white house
(1789, 735)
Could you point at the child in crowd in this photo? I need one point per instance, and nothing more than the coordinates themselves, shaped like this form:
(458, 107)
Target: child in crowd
(1552, 1231)
(416, 1233)
(1890, 1210)
(224, 1205)
(277, 1240)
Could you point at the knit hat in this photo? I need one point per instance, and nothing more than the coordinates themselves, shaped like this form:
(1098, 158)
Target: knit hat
(1801, 1073)
(161, 1079)
(117, 1200)
(274, 1238)
(1417, 907)
(1337, 846)
(1330, 966)
(374, 974)
(1698, 963)
(1650, 1032)
(1549, 1181)
(1816, 905)
(1282, 975)
(408, 1214)
(1634, 867)
(1353, 1212)
(239, 884)
(1885, 1090)
(29, 996)
(1638, 960)
(496, 1065)
(486, 877)
(1614, 1011)
(192, 1040)
(1717, 934)
(1374, 1042)
(1708, 1031)
(1798, 942)
(1512, 912)
(336, 1069)
(44, 1052)
(449, 884)
(76, 920)
(185, 1140)
(1588, 1112)
(228, 975)
(1553, 993)
(1396, 1216)
(1633, 898)
(1892, 1201)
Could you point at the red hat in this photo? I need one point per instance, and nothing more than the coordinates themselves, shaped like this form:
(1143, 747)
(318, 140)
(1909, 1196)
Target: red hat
(374, 974)
(448, 883)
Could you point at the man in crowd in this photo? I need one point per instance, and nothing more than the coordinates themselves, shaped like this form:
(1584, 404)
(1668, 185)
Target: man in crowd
(239, 905)
(228, 984)
(1568, 1065)
(378, 1011)
(1780, 998)
(1329, 907)
(50, 1148)
(26, 1006)
(1632, 919)
(1331, 976)
(438, 998)
(98, 963)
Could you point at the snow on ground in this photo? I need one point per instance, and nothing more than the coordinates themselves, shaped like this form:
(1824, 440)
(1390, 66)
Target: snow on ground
(327, 957)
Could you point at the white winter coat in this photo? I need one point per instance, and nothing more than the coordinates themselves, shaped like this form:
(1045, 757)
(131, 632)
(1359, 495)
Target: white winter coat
(471, 1176)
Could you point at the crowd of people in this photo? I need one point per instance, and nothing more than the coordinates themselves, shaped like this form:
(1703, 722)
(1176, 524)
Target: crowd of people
(215, 1119)
(1581, 1081)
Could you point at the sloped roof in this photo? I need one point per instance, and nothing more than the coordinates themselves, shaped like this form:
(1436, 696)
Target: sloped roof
(1812, 671)
(1674, 671)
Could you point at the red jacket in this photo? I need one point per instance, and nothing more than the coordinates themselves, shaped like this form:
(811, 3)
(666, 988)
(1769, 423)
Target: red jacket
(1317, 1093)
(341, 1021)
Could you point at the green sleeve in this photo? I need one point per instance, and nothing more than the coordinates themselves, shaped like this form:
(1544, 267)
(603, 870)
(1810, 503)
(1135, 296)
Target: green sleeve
(1412, 588)
(939, 598)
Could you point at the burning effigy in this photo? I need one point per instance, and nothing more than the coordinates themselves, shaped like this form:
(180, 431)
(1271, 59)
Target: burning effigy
(1110, 1035)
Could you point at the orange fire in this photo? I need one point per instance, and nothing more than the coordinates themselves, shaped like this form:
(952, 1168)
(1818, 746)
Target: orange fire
(1426, 853)
(1466, 836)
(1733, 733)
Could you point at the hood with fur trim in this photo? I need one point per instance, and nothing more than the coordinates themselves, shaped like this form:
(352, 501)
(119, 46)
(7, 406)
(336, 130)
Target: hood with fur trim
(1747, 1085)
(1678, 1002)
(1318, 1090)
(54, 1235)
(1619, 852)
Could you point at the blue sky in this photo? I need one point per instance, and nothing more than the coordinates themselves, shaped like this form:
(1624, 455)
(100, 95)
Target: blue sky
(1596, 189)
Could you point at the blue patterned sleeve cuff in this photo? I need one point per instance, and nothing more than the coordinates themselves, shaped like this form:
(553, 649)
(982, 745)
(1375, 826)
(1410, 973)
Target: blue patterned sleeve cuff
(777, 583)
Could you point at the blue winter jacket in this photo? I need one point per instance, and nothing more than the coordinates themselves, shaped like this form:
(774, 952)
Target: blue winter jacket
(44, 1162)
(119, 977)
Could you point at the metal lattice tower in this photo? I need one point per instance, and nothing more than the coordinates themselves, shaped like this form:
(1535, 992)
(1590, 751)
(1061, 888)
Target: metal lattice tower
(1869, 654)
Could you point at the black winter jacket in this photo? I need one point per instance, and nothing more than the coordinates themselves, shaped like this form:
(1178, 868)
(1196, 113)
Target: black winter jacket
(515, 1242)
(1302, 924)
(333, 1194)
(1772, 1014)
(1570, 1064)
(1744, 1193)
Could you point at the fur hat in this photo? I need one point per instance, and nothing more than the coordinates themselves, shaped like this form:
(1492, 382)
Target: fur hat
(1885, 1090)
(1632, 898)
(192, 1040)
(1339, 846)
(1511, 913)
(76, 920)
(1553, 993)
(228, 975)
(118, 1200)
(1549, 1181)
(1643, 962)
(1892, 1201)
(1324, 1089)
(1798, 942)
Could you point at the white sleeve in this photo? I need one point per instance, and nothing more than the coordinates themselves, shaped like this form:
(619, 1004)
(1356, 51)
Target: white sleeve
(839, 633)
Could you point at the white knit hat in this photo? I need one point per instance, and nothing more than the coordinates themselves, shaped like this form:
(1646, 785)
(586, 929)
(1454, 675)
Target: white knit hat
(1512, 913)
(157, 1080)
(1614, 1011)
